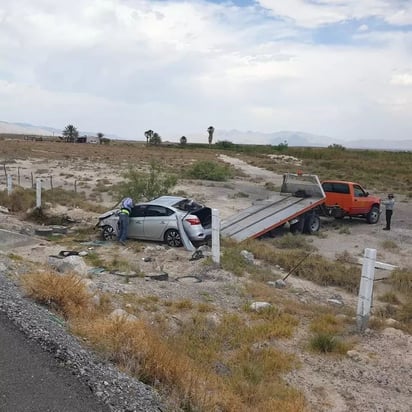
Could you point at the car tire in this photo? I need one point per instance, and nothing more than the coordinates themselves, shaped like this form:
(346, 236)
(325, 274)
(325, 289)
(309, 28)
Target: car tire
(373, 216)
(172, 238)
(312, 224)
(107, 232)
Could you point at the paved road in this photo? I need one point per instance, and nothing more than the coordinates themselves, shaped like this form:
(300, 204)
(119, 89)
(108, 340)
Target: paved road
(32, 381)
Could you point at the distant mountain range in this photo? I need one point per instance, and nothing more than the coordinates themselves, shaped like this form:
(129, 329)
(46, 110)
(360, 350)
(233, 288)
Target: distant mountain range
(293, 138)
(308, 140)
(29, 129)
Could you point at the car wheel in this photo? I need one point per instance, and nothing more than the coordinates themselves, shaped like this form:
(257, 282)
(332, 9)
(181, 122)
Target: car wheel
(172, 238)
(373, 216)
(107, 232)
(312, 224)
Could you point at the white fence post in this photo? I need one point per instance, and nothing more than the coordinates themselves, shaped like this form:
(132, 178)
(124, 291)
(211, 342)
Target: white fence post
(38, 193)
(366, 289)
(9, 184)
(215, 236)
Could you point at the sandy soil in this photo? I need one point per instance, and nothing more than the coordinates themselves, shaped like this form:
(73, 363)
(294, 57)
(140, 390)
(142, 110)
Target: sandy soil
(375, 376)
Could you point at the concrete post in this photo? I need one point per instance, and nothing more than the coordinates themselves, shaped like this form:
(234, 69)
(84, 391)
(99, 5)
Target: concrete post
(216, 236)
(9, 184)
(366, 289)
(38, 193)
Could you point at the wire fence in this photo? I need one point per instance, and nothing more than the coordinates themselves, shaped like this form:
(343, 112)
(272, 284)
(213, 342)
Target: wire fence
(14, 176)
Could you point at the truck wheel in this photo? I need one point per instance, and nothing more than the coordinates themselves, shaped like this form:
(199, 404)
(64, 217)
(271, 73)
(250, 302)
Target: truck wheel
(373, 216)
(297, 228)
(312, 224)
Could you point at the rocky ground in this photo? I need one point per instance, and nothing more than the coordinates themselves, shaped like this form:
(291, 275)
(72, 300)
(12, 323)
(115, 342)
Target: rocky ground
(375, 376)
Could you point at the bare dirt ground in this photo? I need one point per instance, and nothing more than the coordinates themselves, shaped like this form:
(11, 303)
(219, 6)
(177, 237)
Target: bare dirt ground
(375, 376)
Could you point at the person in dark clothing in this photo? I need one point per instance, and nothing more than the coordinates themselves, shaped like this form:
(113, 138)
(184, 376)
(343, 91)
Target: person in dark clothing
(124, 216)
(389, 204)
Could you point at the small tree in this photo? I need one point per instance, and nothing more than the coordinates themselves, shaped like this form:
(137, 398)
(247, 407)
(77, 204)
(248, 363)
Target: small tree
(210, 130)
(70, 133)
(148, 134)
(155, 139)
(100, 137)
(183, 140)
(146, 186)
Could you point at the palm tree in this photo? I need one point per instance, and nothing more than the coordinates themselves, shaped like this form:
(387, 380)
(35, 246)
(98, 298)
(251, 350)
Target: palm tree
(183, 140)
(70, 133)
(210, 130)
(100, 137)
(148, 134)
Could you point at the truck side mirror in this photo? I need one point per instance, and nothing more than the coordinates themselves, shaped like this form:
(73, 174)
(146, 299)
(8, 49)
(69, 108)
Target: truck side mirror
(366, 194)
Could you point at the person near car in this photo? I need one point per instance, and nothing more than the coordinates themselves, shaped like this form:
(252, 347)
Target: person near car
(389, 204)
(124, 216)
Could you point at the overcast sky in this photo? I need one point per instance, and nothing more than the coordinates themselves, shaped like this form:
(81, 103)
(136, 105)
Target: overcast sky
(340, 68)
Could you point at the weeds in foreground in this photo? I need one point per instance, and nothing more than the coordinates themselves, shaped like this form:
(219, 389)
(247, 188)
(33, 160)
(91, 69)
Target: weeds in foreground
(327, 343)
(307, 265)
(390, 245)
(66, 294)
(207, 365)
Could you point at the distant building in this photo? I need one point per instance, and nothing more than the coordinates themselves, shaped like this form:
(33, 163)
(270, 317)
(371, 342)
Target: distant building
(87, 139)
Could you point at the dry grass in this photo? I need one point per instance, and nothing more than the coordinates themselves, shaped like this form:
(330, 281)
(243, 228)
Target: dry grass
(66, 294)
(225, 365)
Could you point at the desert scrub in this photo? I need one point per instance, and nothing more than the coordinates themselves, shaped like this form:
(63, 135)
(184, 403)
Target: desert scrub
(401, 280)
(209, 170)
(139, 185)
(186, 364)
(67, 294)
(290, 241)
(311, 266)
(327, 343)
(389, 245)
(19, 200)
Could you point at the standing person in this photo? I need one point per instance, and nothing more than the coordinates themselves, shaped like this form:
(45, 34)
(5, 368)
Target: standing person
(124, 216)
(389, 204)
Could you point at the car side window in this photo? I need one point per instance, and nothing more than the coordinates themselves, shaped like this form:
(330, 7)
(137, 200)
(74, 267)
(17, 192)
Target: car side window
(154, 210)
(327, 187)
(341, 188)
(138, 211)
(358, 191)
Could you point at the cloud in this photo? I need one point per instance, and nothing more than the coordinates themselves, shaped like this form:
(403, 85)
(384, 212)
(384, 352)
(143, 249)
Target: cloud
(314, 13)
(122, 66)
(402, 79)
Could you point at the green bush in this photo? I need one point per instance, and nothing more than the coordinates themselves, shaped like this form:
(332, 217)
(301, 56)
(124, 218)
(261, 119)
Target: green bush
(325, 343)
(146, 186)
(209, 170)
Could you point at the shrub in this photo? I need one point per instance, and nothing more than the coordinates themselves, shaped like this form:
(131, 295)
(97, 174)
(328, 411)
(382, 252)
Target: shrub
(225, 145)
(146, 186)
(402, 281)
(323, 342)
(65, 293)
(19, 200)
(209, 170)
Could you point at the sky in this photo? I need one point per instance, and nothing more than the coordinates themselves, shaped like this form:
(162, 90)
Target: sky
(336, 68)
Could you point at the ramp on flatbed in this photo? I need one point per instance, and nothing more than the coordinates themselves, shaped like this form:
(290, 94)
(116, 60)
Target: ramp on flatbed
(299, 194)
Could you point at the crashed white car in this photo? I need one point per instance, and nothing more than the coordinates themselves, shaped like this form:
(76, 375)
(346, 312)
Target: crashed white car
(158, 220)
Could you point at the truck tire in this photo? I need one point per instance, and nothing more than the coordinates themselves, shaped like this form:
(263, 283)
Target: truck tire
(312, 224)
(297, 228)
(373, 216)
